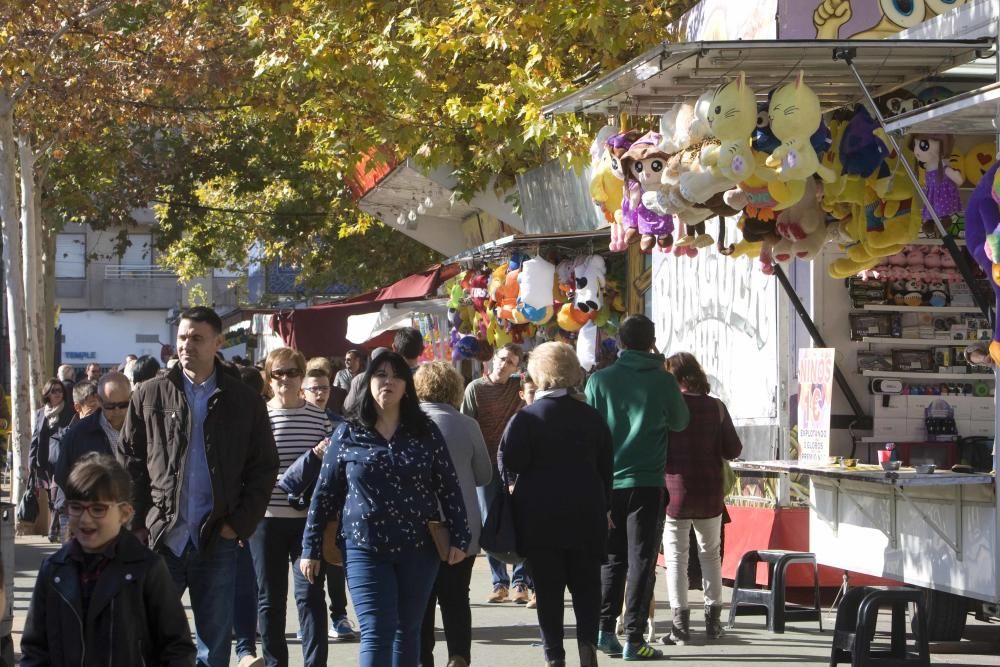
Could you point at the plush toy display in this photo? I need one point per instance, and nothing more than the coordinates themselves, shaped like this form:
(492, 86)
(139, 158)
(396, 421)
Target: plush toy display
(941, 181)
(535, 282)
(982, 218)
(617, 147)
(802, 226)
(644, 163)
(732, 117)
(590, 278)
(795, 116)
(607, 189)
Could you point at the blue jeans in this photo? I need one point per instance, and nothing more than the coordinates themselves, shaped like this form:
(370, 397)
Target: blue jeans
(276, 543)
(390, 594)
(336, 587)
(210, 575)
(519, 574)
(245, 605)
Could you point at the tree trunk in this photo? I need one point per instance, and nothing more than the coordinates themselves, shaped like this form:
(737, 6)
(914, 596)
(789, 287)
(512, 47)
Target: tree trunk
(31, 249)
(49, 304)
(11, 235)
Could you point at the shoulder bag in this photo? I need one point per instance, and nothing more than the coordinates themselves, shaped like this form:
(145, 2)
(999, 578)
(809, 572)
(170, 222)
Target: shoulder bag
(729, 479)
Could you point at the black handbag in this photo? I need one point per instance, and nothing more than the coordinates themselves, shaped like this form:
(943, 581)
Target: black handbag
(27, 508)
(499, 539)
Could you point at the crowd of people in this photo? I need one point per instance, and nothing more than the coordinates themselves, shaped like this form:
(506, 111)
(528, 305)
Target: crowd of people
(374, 480)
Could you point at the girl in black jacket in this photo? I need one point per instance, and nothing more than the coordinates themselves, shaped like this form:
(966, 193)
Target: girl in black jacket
(104, 598)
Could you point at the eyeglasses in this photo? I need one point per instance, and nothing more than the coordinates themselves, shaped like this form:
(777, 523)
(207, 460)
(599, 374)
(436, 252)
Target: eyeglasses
(317, 390)
(286, 373)
(114, 406)
(96, 510)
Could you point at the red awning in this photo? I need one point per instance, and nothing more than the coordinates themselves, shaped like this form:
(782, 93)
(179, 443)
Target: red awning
(322, 330)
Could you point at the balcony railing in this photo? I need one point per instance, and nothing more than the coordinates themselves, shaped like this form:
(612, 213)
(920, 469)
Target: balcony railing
(137, 271)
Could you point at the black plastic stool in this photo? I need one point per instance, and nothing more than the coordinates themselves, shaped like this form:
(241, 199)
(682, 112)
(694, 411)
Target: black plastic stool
(772, 598)
(855, 628)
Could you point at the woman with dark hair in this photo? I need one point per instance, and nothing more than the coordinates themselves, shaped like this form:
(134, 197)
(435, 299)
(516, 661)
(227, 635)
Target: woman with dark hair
(144, 368)
(55, 414)
(695, 497)
(386, 474)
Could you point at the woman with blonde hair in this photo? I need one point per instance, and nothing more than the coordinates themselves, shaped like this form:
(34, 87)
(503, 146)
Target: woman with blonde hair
(695, 497)
(560, 452)
(440, 389)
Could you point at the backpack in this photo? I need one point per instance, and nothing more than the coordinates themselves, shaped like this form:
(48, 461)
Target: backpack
(939, 421)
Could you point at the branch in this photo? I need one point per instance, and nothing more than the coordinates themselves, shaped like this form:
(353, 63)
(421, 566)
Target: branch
(286, 214)
(66, 26)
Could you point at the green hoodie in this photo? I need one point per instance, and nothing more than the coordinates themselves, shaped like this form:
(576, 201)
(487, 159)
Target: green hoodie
(641, 401)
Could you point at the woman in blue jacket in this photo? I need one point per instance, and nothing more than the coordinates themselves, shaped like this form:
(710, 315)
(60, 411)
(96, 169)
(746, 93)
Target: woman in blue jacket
(385, 474)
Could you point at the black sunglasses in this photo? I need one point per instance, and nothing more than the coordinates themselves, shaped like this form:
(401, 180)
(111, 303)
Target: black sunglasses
(114, 406)
(286, 373)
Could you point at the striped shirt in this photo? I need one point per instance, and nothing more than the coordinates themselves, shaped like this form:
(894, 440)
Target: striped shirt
(296, 430)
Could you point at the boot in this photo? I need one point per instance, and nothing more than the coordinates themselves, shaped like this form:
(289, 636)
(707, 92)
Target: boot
(680, 632)
(588, 653)
(713, 622)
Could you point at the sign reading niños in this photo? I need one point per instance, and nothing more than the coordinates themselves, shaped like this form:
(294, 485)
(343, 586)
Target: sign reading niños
(815, 399)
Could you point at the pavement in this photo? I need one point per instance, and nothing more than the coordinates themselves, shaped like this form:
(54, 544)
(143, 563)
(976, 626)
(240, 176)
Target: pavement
(506, 635)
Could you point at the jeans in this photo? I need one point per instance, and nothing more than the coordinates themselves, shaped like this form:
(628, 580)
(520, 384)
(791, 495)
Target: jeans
(245, 605)
(451, 591)
(276, 543)
(210, 575)
(554, 571)
(519, 574)
(676, 541)
(633, 545)
(390, 593)
(336, 586)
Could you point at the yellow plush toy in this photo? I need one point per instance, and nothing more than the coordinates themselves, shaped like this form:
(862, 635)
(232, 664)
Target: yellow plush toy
(795, 115)
(732, 118)
(607, 189)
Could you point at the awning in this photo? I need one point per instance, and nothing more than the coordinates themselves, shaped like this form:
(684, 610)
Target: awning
(322, 330)
(365, 327)
(669, 73)
(569, 241)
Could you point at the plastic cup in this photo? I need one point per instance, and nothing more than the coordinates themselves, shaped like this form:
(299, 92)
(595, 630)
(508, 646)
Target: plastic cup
(884, 455)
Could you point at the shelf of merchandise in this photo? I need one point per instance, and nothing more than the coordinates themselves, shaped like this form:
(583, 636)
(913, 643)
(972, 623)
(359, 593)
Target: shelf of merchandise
(914, 342)
(974, 112)
(930, 377)
(879, 308)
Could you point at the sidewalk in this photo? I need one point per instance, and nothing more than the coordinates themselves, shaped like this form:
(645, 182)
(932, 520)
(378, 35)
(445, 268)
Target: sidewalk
(506, 635)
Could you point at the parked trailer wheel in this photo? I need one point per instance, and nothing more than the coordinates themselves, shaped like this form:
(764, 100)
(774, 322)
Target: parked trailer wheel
(946, 615)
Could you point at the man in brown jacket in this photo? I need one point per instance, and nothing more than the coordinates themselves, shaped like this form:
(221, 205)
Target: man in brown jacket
(199, 447)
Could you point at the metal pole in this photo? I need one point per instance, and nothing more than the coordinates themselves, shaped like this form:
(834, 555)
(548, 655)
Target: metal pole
(947, 239)
(817, 337)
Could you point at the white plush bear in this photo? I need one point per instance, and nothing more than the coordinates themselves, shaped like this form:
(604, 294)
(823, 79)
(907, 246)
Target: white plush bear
(590, 273)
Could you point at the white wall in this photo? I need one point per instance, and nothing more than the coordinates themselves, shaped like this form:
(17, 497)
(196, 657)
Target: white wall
(105, 337)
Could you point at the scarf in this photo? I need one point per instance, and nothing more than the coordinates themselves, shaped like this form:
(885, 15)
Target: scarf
(52, 414)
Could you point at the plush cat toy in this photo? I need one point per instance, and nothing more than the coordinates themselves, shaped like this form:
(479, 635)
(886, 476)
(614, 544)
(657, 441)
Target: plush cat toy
(644, 163)
(607, 189)
(732, 118)
(941, 182)
(795, 116)
(982, 218)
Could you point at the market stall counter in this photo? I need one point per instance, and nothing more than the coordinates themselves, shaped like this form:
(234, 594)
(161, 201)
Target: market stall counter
(937, 531)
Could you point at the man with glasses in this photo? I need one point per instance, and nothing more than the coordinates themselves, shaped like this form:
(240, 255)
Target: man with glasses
(492, 400)
(199, 447)
(100, 413)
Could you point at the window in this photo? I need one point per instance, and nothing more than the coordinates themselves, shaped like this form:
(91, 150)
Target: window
(71, 256)
(140, 253)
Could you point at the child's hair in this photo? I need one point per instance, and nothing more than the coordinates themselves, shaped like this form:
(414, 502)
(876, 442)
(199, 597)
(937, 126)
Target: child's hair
(526, 380)
(99, 477)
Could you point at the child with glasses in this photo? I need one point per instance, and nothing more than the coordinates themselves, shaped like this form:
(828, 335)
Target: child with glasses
(103, 593)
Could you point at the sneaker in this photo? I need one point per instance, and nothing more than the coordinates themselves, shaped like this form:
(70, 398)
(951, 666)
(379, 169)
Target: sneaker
(532, 603)
(520, 594)
(641, 651)
(251, 661)
(608, 643)
(341, 630)
(499, 594)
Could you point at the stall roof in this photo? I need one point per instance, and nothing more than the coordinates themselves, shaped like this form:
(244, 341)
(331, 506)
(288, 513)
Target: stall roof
(494, 250)
(669, 73)
(974, 112)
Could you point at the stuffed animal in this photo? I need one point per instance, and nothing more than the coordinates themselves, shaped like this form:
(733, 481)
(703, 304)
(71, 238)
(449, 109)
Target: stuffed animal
(732, 119)
(802, 226)
(607, 189)
(978, 161)
(982, 218)
(941, 182)
(795, 116)
(535, 281)
(617, 147)
(643, 164)
(590, 278)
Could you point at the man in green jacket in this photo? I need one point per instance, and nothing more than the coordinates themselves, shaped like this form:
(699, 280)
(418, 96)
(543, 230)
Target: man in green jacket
(641, 402)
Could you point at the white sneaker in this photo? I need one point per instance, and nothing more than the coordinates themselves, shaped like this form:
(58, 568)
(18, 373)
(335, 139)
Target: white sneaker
(251, 661)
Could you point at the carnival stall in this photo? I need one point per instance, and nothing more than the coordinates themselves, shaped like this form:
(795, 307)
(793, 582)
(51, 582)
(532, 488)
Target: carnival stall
(790, 141)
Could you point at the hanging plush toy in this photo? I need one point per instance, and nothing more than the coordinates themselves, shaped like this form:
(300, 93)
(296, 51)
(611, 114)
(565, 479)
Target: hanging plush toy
(982, 218)
(617, 147)
(644, 162)
(795, 116)
(607, 189)
(940, 180)
(590, 277)
(802, 226)
(535, 290)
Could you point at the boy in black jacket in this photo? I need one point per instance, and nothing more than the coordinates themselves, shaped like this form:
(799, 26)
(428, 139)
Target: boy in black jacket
(104, 595)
